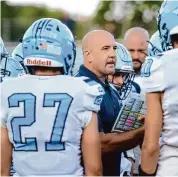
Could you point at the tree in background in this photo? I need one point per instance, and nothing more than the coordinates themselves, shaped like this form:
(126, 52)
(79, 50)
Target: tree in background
(118, 16)
(16, 19)
(114, 16)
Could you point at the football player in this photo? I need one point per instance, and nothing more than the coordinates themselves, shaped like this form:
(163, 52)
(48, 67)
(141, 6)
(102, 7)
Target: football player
(47, 117)
(161, 85)
(124, 73)
(122, 79)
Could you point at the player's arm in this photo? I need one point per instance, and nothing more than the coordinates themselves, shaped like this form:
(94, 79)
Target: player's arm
(91, 148)
(121, 141)
(153, 126)
(6, 153)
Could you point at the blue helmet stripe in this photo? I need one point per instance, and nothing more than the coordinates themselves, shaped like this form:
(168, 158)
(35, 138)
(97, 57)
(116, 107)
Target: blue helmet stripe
(47, 23)
(37, 28)
(42, 26)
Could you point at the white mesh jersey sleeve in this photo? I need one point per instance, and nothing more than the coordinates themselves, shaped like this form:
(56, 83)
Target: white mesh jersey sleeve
(153, 74)
(92, 95)
(89, 99)
(5, 86)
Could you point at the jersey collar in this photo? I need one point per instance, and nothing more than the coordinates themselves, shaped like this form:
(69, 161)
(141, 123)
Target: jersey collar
(86, 72)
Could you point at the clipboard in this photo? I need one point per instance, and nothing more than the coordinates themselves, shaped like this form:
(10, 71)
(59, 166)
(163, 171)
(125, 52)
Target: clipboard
(134, 107)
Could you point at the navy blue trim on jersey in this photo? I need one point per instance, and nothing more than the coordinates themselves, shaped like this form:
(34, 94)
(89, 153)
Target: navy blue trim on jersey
(136, 87)
(83, 71)
(90, 82)
(107, 115)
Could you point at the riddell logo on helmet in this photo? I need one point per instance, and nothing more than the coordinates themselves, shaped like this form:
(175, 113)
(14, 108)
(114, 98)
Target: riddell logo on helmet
(38, 62)
(127, 67)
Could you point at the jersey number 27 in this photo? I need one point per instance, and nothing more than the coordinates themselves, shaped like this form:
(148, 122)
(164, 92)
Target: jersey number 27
(29, 104)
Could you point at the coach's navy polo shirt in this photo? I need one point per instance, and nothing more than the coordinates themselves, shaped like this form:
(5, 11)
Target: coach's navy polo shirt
(107, 115)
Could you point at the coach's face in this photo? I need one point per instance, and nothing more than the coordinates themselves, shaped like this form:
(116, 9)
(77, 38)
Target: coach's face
(103, 54)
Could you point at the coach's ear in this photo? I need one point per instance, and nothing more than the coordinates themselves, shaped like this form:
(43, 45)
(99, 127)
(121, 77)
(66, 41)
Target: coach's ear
(87, 55)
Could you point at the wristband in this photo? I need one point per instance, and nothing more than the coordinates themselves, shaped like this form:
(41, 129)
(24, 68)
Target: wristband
(142, 173)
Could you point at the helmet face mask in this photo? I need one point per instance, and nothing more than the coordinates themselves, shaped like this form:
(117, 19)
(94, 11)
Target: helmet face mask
(49, 43)
(125, 88)
(124, 69)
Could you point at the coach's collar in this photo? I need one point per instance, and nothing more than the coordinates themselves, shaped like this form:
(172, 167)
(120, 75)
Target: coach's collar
(86, 72)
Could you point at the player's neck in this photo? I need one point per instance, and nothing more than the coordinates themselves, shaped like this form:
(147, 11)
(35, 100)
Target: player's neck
(47, 73)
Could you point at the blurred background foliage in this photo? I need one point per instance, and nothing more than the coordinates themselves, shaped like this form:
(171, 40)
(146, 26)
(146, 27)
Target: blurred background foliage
(114, 16)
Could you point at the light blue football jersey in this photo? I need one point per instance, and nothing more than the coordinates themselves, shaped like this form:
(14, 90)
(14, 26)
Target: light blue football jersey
(45, 117)
(161, 75)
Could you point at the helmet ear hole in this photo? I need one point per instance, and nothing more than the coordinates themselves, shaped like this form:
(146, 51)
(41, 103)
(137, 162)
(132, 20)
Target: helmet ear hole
(69, 56)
